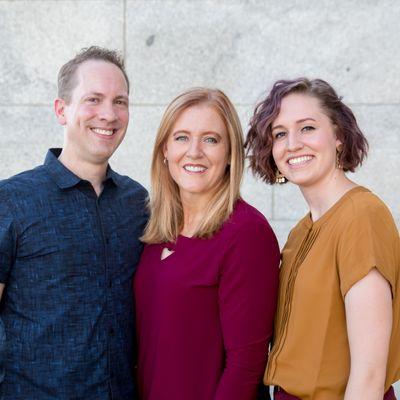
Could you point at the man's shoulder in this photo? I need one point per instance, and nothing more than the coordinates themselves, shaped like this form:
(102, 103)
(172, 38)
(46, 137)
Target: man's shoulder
(130, 184)
(26, 181)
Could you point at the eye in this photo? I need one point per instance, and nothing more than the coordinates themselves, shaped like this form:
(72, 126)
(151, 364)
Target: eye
(121, 102)
(181, 138)
(307, 128)
(279, 135)
(93, 100)
(210, 139)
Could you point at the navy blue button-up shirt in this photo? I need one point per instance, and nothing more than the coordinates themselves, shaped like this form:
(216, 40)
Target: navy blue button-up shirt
(67, 258)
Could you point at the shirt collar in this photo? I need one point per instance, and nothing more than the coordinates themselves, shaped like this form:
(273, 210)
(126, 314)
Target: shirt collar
(64, 178)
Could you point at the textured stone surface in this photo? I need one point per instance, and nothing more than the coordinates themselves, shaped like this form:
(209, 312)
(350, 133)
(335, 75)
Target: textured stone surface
(37, 37)
(282, 229)
(134, 156)
(25, 135)
(240, 46)
(243, 46)
(258, 194)
(380, 124)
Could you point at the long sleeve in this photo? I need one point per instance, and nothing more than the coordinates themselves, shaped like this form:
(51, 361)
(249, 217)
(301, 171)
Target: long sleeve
(8, 238)
(247, 297)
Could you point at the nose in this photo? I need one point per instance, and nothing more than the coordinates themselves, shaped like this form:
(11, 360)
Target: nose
(194, 149)
(107, 113)
(294, 142)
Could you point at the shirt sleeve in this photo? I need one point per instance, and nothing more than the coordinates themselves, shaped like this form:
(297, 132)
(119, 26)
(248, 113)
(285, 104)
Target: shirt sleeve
(247, 297)
(370, 241)
(8, 240)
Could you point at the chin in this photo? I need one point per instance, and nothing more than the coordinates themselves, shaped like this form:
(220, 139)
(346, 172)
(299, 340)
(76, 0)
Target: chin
(101, 158)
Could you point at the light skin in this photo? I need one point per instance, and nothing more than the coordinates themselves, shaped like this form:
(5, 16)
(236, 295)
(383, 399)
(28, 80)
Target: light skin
(197, 151)
(95, 120)
(304, 150)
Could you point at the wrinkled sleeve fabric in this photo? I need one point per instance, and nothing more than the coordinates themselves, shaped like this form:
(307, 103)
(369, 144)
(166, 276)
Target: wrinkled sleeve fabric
(369, 241)
(8, 237)
(247, 297)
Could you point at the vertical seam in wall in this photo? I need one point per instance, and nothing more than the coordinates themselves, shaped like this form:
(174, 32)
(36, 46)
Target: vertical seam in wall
(124, 29)
(273, 203)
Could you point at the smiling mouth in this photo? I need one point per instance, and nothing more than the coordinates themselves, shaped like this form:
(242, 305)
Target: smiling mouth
(104, 132)
(194, 168)
(299, 160)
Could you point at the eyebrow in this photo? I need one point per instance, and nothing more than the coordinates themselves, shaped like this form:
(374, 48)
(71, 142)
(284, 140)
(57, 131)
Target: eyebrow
(202, 133)
(297, 122)
(98, 94)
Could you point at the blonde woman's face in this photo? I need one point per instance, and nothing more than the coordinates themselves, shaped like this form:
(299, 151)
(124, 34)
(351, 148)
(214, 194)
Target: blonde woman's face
(197, 151)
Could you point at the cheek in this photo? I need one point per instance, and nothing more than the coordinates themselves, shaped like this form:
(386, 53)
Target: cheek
(221, 155)
(83, 114)
(123, 115)
(277, 152)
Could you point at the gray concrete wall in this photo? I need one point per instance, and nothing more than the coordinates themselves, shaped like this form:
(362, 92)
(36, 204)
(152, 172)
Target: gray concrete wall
(239, 46)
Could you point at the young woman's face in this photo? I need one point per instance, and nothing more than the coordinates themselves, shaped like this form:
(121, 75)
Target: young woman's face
(304, 141)
(197, 151)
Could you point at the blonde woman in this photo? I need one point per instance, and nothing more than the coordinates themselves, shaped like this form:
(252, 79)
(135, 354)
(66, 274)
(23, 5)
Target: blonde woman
(207, 282)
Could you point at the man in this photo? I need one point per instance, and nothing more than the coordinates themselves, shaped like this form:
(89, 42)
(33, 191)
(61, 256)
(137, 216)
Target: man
(69, 244)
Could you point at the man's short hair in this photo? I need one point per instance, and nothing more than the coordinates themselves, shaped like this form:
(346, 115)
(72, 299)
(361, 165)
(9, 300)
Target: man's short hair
(67, 80)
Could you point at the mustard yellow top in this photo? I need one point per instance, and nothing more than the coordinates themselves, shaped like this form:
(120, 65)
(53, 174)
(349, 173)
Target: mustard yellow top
(310, 357)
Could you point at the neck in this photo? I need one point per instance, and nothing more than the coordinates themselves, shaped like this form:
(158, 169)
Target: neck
(321, 197)
(93, 173)
(194, 209)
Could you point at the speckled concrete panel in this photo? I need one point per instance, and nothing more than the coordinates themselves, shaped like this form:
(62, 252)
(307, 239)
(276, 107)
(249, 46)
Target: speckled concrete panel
(282, 229)
(288, 203)
(258, 194)
(38, 37)
(380, 125)
(254, 191)
(133, 158)
(243, 46)
(25, 135)
(381, 175)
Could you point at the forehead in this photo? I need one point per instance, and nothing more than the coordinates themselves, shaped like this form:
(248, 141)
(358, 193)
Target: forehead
(299, 106)
(100, 76)
(200, 117)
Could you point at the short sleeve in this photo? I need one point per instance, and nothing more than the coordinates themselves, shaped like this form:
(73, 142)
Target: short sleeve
(8, 240)
(369, 241)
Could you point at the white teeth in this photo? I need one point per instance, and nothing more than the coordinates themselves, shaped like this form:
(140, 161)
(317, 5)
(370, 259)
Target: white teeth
(193, 168)
(299, 160)
(106, 132)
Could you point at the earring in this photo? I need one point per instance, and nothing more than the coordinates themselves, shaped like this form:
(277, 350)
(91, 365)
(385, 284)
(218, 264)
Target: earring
(165, 160)
(280, 178)
(338, 163)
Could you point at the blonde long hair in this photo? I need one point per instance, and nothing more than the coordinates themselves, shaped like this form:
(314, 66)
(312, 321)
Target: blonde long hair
(166, 212)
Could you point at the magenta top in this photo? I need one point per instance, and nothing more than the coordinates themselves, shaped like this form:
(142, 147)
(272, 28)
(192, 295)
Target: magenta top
(205, 313)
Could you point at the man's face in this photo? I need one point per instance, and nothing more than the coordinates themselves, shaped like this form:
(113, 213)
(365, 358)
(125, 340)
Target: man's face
(97, 116)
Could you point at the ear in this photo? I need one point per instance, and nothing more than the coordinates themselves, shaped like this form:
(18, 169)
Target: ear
(339, 145)
(165, 150)
(59, 109)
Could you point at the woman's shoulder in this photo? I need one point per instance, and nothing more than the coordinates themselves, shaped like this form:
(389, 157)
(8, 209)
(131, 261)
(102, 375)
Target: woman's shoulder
(364, 205)
(246, 219)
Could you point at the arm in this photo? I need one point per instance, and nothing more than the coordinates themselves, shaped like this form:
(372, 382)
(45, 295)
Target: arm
(369, 322)
(247, 300)
(1, 290)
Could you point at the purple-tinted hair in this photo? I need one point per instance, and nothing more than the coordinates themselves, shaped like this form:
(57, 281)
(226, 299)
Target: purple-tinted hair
(259, 138)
